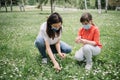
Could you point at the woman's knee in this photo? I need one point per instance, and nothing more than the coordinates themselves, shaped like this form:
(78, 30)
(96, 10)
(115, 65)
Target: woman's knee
(39, 42)
(67, 50)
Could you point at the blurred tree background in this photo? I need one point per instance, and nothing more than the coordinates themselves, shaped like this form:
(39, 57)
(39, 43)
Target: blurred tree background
(79, 4)
(19, 25)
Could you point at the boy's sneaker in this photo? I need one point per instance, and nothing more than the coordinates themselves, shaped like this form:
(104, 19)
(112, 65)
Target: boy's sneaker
(88, 66)
(44, 60)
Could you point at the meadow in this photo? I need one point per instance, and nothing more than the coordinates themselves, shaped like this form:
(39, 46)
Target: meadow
(20, 59)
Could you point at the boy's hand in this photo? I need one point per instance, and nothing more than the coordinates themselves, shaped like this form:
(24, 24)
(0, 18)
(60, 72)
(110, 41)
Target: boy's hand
(77, 40)
(83, 41)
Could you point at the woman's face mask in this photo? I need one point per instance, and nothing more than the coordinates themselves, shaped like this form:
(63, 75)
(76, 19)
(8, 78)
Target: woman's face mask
(86, 26)
(55, 29)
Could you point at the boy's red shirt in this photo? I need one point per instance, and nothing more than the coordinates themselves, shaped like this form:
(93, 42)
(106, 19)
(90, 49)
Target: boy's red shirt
(91, 34)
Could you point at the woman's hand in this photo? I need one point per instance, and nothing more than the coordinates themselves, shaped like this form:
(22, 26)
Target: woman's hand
(62, 55)
(57, 67)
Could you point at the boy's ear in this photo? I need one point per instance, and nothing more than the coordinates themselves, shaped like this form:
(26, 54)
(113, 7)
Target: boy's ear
(90, 22)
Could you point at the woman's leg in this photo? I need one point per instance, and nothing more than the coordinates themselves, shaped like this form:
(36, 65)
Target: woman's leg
(40, 44)
(65, 48)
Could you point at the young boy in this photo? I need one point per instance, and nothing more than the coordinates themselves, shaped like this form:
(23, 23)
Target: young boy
(89, 36)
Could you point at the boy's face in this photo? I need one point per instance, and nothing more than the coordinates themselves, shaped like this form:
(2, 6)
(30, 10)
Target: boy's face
(85, 23)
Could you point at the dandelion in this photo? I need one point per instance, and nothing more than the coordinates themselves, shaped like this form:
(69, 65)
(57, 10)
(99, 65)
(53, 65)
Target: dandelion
(76, 73)
(103, 78)
(20, 75)
(75, 79)
(117, 77)
(94, 73)
(1, 77)
(13, 65)
(115, 74)
(103, 73)
(50, 78)
(4, 73)
(111, 61)
(69, 76)
(11, 76)
(16, 69)
(87, 74)
(82, 77)
(106, 72)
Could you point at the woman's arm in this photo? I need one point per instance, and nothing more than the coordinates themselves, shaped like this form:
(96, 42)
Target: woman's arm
(57, 45)
(56, 65)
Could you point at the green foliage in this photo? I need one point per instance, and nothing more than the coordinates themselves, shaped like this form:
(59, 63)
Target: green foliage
(14, 2)
(31, 2)
(20, 60)
(102, 4)
(92, 4)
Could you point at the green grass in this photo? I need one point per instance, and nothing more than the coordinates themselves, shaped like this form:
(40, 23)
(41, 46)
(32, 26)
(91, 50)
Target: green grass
(20, 60)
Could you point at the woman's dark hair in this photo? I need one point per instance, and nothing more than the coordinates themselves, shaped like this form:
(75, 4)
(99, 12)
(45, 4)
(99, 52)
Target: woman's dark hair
(86, 17)
(52, 19)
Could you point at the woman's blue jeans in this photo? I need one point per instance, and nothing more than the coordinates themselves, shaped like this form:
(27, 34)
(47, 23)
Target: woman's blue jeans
(40, 44)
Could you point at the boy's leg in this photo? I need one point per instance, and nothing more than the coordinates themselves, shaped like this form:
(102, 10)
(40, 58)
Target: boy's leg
(79, 55)
(88, 51)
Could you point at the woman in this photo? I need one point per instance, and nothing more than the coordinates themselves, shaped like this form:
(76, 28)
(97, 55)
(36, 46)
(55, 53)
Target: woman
(89, 36)
(48, 40)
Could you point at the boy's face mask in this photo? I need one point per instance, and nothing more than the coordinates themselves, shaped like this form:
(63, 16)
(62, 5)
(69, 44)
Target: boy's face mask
(86, 26)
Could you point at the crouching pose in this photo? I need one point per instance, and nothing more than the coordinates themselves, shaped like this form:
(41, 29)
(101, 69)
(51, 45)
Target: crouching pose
(48, 40)
(89, 36)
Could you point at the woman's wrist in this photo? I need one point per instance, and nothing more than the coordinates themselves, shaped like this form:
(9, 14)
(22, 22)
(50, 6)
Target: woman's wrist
(55, 63)
(59, 53)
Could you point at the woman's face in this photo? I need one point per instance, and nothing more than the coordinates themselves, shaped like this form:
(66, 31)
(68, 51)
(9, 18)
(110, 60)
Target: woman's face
(56, 25)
